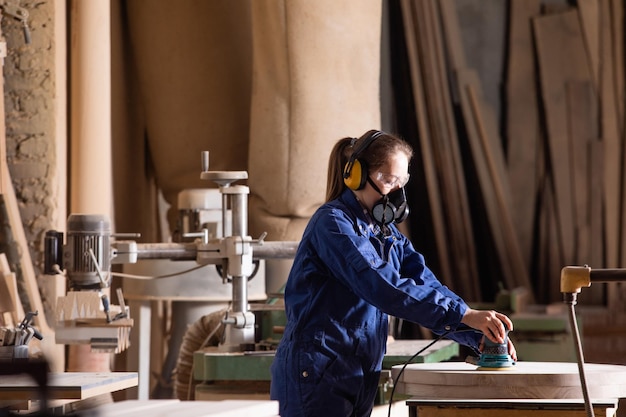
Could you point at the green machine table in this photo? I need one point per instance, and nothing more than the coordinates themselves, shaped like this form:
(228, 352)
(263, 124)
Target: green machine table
(220, 373)
(211, 365)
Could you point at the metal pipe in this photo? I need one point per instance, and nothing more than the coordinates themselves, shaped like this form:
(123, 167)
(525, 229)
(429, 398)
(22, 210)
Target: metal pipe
(189, 251)
(580, 359)
(174, 251)
(607, 275)
(240, 294)
(239, 212)
(275, 250)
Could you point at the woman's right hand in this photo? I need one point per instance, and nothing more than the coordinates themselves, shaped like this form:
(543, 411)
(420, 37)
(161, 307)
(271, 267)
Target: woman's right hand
(489, 322)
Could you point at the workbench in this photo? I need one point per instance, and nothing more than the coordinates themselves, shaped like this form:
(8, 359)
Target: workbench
(548, 388)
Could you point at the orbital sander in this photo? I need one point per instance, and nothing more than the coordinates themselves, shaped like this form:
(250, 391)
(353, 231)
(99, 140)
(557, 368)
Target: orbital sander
(494, 356)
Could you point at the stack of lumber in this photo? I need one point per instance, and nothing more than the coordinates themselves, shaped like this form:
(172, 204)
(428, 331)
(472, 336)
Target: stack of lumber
(545, 188)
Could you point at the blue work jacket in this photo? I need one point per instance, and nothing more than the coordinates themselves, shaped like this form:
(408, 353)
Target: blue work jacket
(346, 278)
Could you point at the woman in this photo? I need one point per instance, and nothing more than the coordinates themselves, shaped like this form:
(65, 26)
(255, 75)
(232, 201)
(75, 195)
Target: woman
(352, 269)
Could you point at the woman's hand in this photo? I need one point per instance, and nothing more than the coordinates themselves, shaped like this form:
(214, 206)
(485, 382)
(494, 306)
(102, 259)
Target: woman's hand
(489, 322)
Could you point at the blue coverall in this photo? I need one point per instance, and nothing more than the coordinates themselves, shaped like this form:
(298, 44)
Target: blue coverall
(346, 278)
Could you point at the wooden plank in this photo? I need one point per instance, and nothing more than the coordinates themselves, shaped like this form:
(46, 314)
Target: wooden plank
(9, 298)
(548, 255)
(595, 186)
(488, 157)
(463, 239)
(612, 142)
(562, 58)
(67, 385)
(583, 130)
(467, 81)
(453, 38)
(444, 143)
(522, 123)
(617, 13)
(430, 173)
(487, 153)
(617, 29)
(590, 19)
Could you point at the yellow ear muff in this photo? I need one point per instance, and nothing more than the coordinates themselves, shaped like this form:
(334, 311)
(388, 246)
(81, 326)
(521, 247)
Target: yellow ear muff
(355, 172)
(355, 178)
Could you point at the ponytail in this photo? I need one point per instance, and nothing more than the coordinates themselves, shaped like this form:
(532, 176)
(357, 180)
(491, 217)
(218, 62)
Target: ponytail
(338, 159)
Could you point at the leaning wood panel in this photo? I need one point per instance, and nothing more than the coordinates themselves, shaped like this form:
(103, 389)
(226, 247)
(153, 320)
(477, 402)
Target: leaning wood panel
(590, 19)
(582, 129)
(497, 212)
(562, 58)
(522, 122)
(611, 139)
(595, 186)
(582, 132)
(618, 34)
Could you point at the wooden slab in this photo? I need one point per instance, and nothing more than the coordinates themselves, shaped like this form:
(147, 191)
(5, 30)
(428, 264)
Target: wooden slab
(523, 380)
(67, 385)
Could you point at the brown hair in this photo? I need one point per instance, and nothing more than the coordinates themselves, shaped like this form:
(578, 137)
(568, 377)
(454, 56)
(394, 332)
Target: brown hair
(375, 156)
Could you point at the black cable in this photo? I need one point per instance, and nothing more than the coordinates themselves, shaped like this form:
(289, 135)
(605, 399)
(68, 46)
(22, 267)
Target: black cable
(395, 381)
